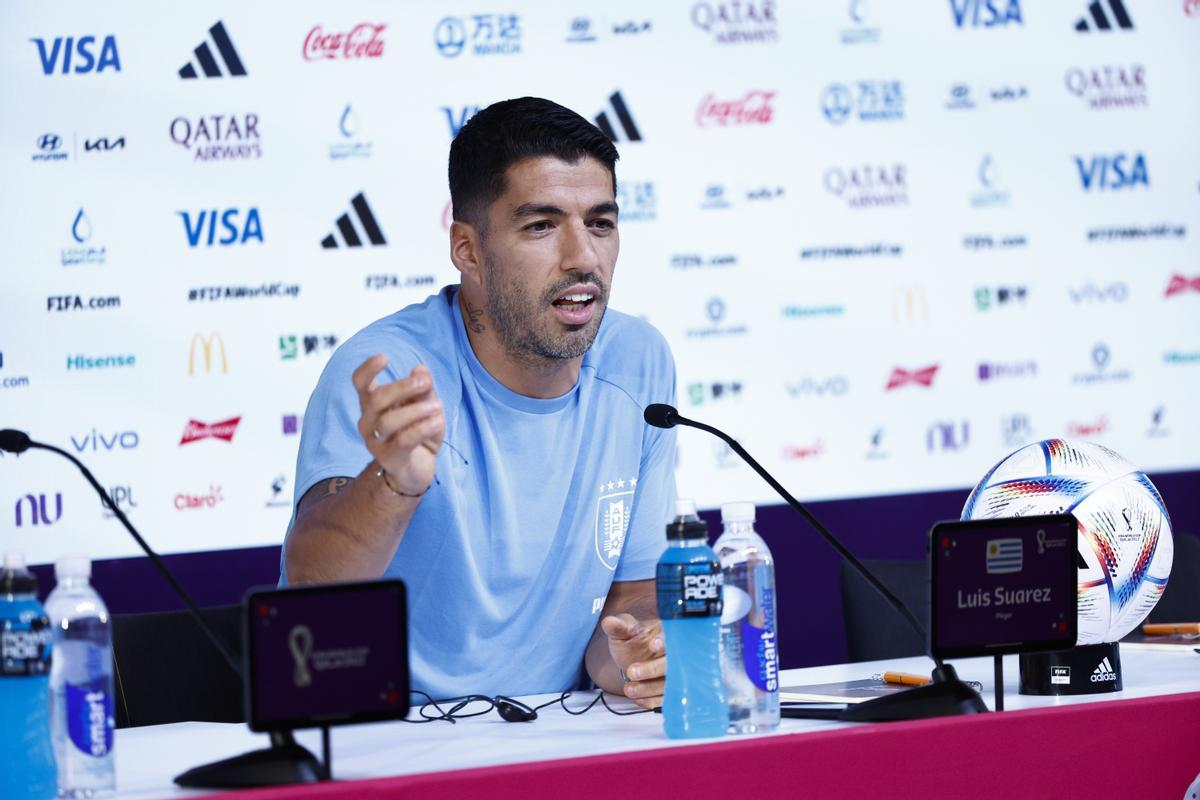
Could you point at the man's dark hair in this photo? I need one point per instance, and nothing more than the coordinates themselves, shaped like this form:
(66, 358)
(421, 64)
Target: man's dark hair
(510, 131)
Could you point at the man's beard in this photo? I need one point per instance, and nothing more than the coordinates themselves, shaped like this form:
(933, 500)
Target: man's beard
(527, 331)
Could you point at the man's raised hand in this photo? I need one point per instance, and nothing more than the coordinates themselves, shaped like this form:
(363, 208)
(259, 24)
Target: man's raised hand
(402, 423)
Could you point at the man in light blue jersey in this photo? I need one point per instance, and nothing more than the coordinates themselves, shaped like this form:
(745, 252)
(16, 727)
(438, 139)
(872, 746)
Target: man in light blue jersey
(487, 446)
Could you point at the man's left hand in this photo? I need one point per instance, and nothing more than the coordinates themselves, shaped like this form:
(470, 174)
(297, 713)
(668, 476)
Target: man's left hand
(638, 650)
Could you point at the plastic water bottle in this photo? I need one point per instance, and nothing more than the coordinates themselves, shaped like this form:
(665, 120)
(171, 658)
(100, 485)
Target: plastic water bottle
(749, 644)
(81, 682)
(26, 755)
(689, 604)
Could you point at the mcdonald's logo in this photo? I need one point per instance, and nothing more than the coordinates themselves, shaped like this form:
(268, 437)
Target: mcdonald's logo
(909, 304)
(205, 344)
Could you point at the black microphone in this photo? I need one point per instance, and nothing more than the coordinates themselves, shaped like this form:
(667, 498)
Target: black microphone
(661, 415)
(12, 441)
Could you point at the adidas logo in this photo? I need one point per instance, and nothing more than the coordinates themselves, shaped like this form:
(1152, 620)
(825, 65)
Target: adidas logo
(1104, 672)
(623, 116)
(1100, 20)
(349, 234)
(208, 62)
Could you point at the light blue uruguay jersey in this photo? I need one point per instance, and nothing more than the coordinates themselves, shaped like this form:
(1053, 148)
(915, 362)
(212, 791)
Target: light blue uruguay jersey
(537, 505)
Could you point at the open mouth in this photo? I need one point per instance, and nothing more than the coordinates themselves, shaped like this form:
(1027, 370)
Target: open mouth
(576, 305)
(575, 300)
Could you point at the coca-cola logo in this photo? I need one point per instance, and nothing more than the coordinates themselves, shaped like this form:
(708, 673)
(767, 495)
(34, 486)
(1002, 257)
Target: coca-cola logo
(752, 109)
(196, 430)
(363, 41)
(1191, 8)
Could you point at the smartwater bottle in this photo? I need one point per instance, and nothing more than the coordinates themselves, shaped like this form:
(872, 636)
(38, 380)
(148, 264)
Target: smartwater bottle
(26, 755)
(689, 604)
(81, 683)
(748, 635)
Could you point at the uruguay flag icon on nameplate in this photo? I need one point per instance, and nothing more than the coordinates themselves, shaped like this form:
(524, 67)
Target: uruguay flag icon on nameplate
(1004, 556)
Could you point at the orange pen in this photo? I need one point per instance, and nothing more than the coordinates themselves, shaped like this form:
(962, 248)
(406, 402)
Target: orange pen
(906, 679)
(1171, 628)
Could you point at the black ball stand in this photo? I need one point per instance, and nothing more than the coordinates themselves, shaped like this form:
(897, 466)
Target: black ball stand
(1090, 669)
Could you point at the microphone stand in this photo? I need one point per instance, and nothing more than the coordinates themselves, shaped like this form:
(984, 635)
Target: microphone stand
(945, 696)
(284, 761)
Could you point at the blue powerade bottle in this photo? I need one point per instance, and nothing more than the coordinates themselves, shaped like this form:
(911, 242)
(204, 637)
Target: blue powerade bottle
(689, 581)
(26, 754)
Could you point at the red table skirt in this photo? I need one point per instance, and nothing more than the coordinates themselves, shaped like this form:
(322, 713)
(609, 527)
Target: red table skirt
(1140, 749)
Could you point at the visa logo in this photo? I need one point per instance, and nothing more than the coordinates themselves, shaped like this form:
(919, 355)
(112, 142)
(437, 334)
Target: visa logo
(62, 49)
(1113, 172)
(984, 13)
(202, 228)
(456, 119)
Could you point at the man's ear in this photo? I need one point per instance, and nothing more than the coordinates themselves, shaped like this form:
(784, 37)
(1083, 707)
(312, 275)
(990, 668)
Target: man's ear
(465, 250)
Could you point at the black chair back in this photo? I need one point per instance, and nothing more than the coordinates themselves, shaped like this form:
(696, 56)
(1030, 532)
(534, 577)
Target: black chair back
(1181, 600)
(167, 670)
(875, 630)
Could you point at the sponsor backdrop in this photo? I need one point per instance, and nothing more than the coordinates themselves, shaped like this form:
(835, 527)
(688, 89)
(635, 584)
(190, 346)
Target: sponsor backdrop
(888, 243)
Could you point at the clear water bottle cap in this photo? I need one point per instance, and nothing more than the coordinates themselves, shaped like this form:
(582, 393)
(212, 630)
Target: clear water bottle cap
(14, 560)
(737, 512)
(73, 567)
(685, 507)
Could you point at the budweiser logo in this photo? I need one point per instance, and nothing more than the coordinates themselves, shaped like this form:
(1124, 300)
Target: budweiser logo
(196, 430)
(753, 109)
(363, 41)
(1181, 283)
(921, 377)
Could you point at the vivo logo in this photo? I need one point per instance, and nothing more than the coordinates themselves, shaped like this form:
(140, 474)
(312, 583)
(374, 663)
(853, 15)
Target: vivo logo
(84, 61)
(1116, 292)
(38, 514)
(832, 387)
(234, 230)
(1116, 172)
(96, 441)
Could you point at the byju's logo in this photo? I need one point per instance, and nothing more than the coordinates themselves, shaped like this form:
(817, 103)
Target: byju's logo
(918, 377)
(208, 62)
(350, 237)
(490, 35)
(291, 424)
(195, 430)
(737, 22)
(218, 137)
(617, 103)
(985, 13)
(993, 371)
(868, 101)
(946, 436)
(753, 108)
(362, 41)
(869, 185)
(38, 511)
(1109, 86)
(1181, 284)
(70, 55)
(1100, 21)
(82, 252)
(350, 146)
(207, 346)
(457, 117)
(990, 193)
(637, 201)
(1113, 173)
(96, 442)
(236, 228)
(1102, 373)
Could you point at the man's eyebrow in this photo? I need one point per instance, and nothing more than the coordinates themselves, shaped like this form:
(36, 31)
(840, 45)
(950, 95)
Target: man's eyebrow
(609, 207)
(537, 210)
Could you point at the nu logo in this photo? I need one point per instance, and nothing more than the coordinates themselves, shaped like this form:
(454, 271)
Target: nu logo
(984, 14)
(37, 509)
(1100, 20)
(457, 118)
(85, 62)
(205, 344)
(1120, 171)
(234, 231)
(208, 62)
(623, 116)
(346, 228)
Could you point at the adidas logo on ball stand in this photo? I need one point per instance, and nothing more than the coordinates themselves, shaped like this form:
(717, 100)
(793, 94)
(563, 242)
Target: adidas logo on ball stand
(1090, 669)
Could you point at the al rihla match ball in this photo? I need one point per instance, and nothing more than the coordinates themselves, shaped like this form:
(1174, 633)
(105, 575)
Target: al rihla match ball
(1125, 545)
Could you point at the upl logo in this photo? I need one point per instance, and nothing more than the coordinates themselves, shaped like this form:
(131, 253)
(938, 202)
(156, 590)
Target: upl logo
(66, 54)
(236, 227)
(1113, 173)
(985, 13)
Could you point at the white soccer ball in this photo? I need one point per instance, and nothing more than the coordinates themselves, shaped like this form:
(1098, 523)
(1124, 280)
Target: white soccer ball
(1125, 545)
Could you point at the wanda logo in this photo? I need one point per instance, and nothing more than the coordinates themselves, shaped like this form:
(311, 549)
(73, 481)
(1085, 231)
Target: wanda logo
(363, 41)
(752, 109)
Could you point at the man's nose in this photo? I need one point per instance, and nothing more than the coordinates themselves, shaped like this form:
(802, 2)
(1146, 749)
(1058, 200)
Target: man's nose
(579, 252)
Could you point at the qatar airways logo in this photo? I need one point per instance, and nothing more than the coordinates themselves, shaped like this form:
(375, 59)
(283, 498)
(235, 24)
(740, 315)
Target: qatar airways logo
(196, 430)
(753, 108)
(362, 41)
